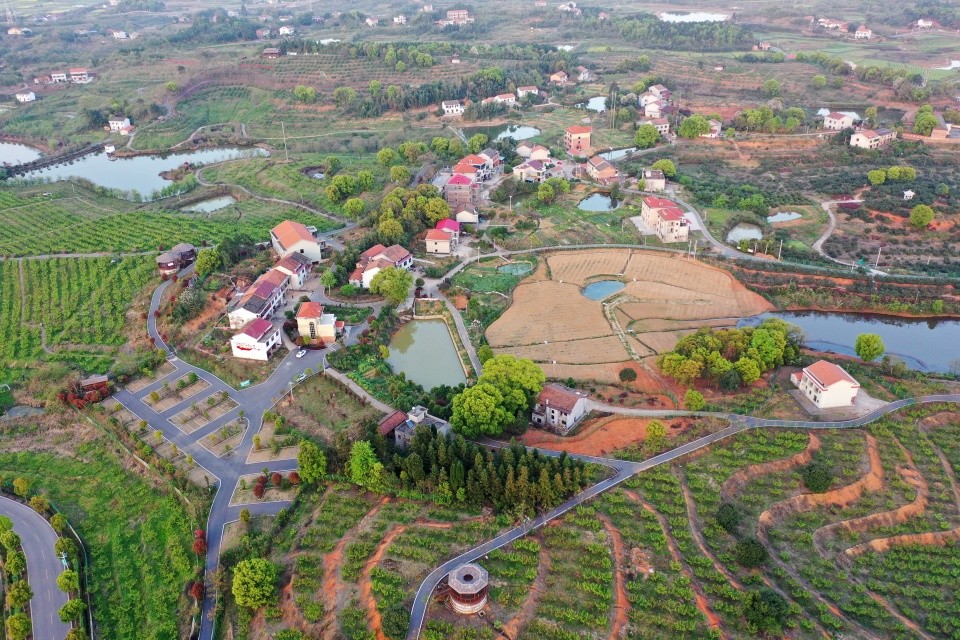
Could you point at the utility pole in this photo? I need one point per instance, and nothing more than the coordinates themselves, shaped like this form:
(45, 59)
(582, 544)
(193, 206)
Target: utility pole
(879, 249)
(284, 130)
(780, 251)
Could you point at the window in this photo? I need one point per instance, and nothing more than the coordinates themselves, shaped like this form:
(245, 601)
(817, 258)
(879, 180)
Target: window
(313, 330)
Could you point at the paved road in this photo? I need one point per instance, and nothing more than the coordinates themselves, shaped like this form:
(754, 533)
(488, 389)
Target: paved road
(38, 538)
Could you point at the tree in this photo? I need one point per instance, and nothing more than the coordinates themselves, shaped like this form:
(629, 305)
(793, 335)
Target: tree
(819, 82)
(817, 477)
(477, 142)
(72, 610)
(68, 581)
(343, 97)
(208, 261)
(693, 127)
(729, 518)
(364, 468)
(10, 540)
(399, 174)
(751, 553)
(694, 400)
(546, 194)
(517, 379)
(396, 621)
(18, 626)
(766, 610)
(40, 504)
(245, 516)
(387, 157)
(771, 88)
(58, 522)
(16, 563)
(354, 207)
(628, 374)
(921, 216)
(77, 634)
(389, 229)
(21, 487)
(19, 594)
(647, 136)
(6, 524)
(365, 180)
(479, 410)
(253, 582)
(869, 346)
(656, 434)
(329, 279)
(484, 353)
(669, 169)
(392, 283)
(304, 94)
(748, 369)
(871, 114)
(877, 177)
(925, 124)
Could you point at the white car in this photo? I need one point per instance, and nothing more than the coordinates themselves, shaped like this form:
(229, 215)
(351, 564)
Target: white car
(301, 353)
(300, 378)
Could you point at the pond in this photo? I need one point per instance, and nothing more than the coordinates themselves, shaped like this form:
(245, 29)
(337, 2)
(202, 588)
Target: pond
(696, 16)
(12, 153)
(424, 351)
(744, 231)
(516, 268)
(784, 216)
(598, 104)
(515, 132)
(213, 204)
(923, 344)
(138, 173)
(617, 154)
(598, 202)
(602, 289)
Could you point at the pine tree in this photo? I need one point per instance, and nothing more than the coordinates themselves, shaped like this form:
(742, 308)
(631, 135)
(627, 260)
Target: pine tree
(456, 475)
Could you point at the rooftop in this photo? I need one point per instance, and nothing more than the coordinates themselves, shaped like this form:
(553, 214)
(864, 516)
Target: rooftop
(828, 374)
(557, 396)
(257, 327)
(310, 310)
(290, 232)
(579, 129)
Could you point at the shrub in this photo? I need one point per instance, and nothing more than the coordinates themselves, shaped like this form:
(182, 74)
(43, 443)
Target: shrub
(750, 553)
(628, 374)
(729, 517)
(817, 477)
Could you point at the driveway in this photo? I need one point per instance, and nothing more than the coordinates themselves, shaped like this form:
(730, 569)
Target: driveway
(38, 538)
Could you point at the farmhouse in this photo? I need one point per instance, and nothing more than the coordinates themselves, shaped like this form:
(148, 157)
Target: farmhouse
(870, 139)
(559, 78)
(863, 33)
(297, 267)
(584, 74)
(467, 214)
(118, 124)
(317, 327)
(439, 242)
(654, 180)
(715, 127)
(482, 166)
(261, 300)
(530, 171)
(924, 24)
(665, 218)
(657, 108)
(452, 107)
(377, 258)
(26, 96)
(662, 124)
(837, 121)
(577, 139)
(601, 170)
(401, 19)
(286, 31)
(559, 408)
(270, 52)
(80, 75)
(119, 35)
(177, 258)
(58, 77)
(505, 98)
(372, 22)
(527, 91)
(293, 237)
(258, 340)
(460, 190)
(826, 385)
(402, 425)
(660, 91)
(262, 33)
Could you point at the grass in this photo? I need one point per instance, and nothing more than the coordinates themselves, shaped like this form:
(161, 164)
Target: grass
(322, 408)
(138, 538)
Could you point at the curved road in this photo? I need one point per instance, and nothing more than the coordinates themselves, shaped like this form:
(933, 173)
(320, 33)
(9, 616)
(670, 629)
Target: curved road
(37, 538)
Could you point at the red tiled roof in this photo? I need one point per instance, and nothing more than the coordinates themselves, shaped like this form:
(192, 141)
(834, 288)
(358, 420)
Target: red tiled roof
(290, 232)
(256, 328)
(828, 374)
(391, 422)
(463, 168)
(310, 310)
(291, 264)
(274, 277)
(474, 158)
(670, 214)
(834, 115)
(373, 251)
(559, 397)
(439, 235)
(460, 180)
(395, 253)
(578, 129)
(658, 203)
(264, 289)
(448, 225)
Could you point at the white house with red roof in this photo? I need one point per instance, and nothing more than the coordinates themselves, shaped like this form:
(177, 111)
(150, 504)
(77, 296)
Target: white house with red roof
(258, 340)
(461, 189)
(375, 259)
(452, 107)
(315, 326)
(826, 385)
(863, 33)
(577, 139)
(836, 121)
(467, 214)
(529, 90)
(261, 300)
(439, 242)
(291, 236)
(870, 139)
(530, 171)
(297, 267)
(559, 408)
(665, 218)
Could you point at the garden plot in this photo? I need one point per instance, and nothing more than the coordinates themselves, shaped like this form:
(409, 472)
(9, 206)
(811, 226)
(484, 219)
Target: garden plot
(322, 408)
(276, 488)
(140, 384)
(226, 438)
(203, 412)
(273, 442)
(171, 395)
(552, 323)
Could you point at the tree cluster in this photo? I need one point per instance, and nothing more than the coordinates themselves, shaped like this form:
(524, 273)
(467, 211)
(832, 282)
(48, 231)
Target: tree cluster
(502, 396)
(767, 120)
(691, 36)
(404, 213)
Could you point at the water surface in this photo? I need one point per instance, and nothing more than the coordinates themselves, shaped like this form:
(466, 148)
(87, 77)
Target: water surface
(515, 132)
(598, 104)
(616, 154)
(602, 289)
(598, 202)
(424, 351)
(213, 204)
(696, 16)
(784, 216)
(13, 153)
(744, 231)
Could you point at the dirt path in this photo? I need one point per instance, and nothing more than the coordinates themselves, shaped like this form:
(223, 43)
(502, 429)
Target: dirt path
(738, 480)
(332, 584)
(622, 606)
(698, 595)
(374, 620)
(698, 536)
(519, 622)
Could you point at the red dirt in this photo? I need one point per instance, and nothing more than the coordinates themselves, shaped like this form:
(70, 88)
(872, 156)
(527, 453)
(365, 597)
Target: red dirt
(599, 437)
(374, 620)
(516, 624)
(622, 606)
(698, 536)
(702, 602)
(738, 480)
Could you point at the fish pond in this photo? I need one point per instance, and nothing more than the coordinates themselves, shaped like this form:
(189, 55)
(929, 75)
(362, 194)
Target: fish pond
(602, 289)
(598, 202)
(744, 231)
(211, 205)
(424, 351)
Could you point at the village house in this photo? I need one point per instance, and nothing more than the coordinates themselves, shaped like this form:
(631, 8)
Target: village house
(924, 24)
(863, 33)
(559, 408)
(834, 25)
(461, 189)
(270, 52)
(118, 35)
(439, 242)
(44, 80)
(837, 121)
(258, 340)
(584, 74)
(524, 148)
(870, 139)
(427, 8)
(261, 300)
(528, 90)
(177, 258)
(401, 19)
(601, 170)
(402, 425)
(467, 214)
(559, 78)
(118, 124)
(316, 327)
(908, 194)
(456, 17)
(80, 75)
(505, 98)
(58, 77)
(540, 3)
(664, 218)
(377, 258)
(654, 180)
(715, 127)
(530, 171)
(577, 139)
(662, 125)
(372, 22)
(452, 107)
(455, 60)
(660, 91)
(26, 96)
(297, 267)
(826, 385)
(492, 156)
(262, 33)
(286, 31)
(540, 152)
(657, 108)
(482, 167)
(293, 237)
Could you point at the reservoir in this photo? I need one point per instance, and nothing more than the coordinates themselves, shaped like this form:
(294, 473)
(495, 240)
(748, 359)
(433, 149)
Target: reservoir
(598, 202)
(424, 351)
(602, 289)
(744, 231)
(12, 153)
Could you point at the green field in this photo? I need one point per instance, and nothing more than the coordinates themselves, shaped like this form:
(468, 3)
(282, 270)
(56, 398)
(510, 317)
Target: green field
(138, 539)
